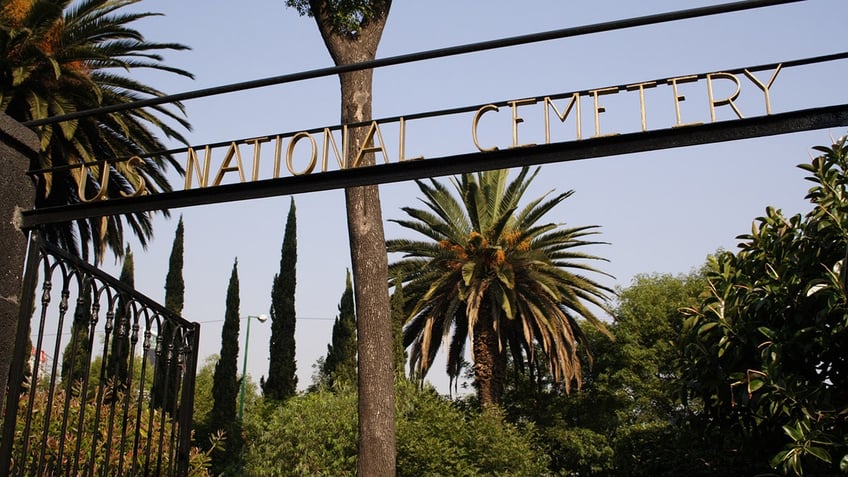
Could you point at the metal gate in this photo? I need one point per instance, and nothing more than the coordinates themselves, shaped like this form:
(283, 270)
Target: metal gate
(102, 381)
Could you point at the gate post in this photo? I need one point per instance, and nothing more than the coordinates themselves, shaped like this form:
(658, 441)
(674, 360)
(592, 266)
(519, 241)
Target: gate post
(18, 147)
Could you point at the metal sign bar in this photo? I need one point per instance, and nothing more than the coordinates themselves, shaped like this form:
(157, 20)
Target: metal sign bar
(782, 123)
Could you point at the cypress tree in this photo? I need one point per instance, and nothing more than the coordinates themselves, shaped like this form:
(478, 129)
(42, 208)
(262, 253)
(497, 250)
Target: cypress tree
(340, 364)
(174, 284)
(398, 319)
(76, 356)
(162, 394)
(282, 377)
(225, 384)
(117, 367)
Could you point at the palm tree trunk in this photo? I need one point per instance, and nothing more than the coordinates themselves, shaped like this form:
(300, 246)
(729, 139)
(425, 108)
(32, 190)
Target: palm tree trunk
(489, 362)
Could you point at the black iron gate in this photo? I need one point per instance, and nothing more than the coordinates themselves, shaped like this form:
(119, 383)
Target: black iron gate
(102, 380)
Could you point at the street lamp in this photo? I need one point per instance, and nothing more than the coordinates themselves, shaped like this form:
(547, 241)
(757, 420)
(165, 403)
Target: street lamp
(262, 319)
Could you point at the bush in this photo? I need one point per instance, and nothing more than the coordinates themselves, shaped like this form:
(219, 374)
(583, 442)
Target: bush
(109, 441)
(316, 435)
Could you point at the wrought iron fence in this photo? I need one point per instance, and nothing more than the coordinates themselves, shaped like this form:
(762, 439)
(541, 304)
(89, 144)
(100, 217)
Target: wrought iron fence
(102, 380)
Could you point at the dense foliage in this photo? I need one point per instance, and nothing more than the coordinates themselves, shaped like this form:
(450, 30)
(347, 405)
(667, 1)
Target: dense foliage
(620, 423)
(766, 352)
(339, 367)
(162, 392)
(225, 385)
(282, 371)
(435, 438)
(123, 438)
(118, 360)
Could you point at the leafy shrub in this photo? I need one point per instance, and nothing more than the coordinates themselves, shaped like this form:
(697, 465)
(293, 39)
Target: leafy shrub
(316, 435)
(101, 436)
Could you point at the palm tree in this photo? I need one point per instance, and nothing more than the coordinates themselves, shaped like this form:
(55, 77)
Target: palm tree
(493, 275)
(62, 56)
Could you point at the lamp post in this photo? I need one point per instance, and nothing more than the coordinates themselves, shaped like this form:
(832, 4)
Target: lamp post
(262, 319)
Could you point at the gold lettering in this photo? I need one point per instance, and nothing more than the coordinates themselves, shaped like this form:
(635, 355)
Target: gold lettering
(678, 98)
(641, 87)
(257, 142)
(600, 109)
(373, 131)
(516, 120)
(278, 155)
(233, 151)
(574, 102)
(130, 171)
(193, 166)
(81, 176)
(402, 146)
(290, 152)
(475, 123)
(721, 102)
(341, 159)
(765, 87)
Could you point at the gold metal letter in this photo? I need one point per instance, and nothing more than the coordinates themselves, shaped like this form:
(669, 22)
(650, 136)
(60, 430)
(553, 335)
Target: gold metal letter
(600, 109)
(290, 153)
(721, 102)
(574, 102)
(341, 159)
(476, 121)
(402, 147)
(257, 142)
(130, 170)
(193, 166)
(641, 87)
(278, 155)
(233, 151)
(678, 98)
(517, 119)
(765, 87)
(81, 177)
(373, 130)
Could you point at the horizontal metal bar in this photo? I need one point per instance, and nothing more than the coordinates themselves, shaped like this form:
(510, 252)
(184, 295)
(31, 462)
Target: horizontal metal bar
(449, 111)
(427, 55)
(794, 121)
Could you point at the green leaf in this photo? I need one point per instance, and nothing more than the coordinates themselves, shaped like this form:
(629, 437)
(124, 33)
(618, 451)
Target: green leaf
(843, 463)
(468, 272)
(767, 332)
(820, 453)
(796, 433)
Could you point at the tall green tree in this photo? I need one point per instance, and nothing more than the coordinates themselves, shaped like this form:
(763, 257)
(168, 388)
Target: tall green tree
(118, 365)
(766, 352)
(77, 353)
(225, 385)
(62, 56)
(340, 365)
(282, 371)
(165, 381)
(491, 273)
(351, 31)
(622, 421)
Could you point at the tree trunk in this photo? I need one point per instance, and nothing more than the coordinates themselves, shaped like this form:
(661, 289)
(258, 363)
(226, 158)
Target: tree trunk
(17, 146)
(489, 363)
(369, 259)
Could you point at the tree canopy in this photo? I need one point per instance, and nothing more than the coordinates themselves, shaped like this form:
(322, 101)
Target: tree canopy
(491, 272)
(766, 352)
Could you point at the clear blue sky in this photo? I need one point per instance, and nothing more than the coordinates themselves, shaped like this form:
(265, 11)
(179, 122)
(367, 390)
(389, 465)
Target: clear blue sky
(661, 211)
